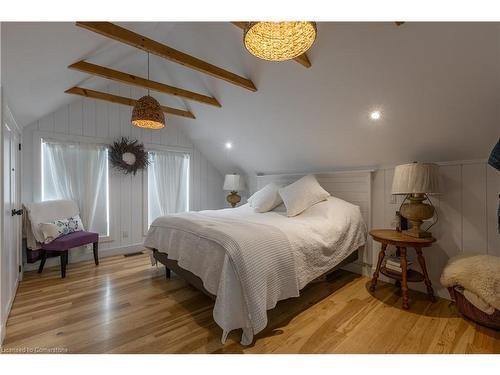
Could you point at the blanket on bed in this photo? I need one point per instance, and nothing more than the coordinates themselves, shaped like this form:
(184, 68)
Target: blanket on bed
(261, 257)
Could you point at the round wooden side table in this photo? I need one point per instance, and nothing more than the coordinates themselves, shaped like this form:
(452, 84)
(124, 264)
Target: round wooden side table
(402, 242)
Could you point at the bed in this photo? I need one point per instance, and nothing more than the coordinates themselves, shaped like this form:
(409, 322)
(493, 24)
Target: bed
(249, 261)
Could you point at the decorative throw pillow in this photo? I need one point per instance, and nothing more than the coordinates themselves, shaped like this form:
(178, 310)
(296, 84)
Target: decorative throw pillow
(50, 232)
(61, 227)
(266, 198)
(302, 194)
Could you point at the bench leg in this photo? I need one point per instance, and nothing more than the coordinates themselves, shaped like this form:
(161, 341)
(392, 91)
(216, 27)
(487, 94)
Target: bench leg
(64, 262)
(95, 246)
(42, 261)
(167, 272)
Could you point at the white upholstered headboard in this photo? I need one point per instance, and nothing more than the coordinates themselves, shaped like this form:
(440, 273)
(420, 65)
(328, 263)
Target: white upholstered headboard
(352, 186)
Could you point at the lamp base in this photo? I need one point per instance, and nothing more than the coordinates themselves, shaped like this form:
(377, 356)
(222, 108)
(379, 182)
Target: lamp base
(233, 199)
(416, 212)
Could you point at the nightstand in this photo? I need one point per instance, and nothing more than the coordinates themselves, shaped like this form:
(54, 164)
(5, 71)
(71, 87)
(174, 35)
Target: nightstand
(402, 242)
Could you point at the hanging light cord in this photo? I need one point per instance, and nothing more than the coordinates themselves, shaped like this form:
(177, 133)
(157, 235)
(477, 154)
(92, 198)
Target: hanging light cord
(148, 72)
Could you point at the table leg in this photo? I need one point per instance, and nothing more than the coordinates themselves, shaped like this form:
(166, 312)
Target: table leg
(428, 284)
(397, 283)
(404, 281)
(381, 256)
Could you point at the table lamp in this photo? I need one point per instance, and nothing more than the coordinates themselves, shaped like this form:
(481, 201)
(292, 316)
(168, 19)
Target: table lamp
(234, 183)
(416, 180)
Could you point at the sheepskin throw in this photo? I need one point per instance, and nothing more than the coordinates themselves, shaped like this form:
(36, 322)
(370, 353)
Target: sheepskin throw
(479, 274)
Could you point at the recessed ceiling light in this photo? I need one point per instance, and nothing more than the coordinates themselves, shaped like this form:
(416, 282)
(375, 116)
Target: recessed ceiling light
(375, 115)
(229, 145)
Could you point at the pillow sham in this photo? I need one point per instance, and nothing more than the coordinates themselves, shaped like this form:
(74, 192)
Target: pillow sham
(302, 194)
(60, 227)
(266, 198)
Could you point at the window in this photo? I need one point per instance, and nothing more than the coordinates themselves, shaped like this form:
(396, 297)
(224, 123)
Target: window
(78, 171)
(168, 183)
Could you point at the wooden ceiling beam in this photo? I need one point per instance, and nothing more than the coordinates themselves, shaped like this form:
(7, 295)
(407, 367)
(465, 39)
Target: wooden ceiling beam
(302, 59)
(130, 79)
(133, 39)
(122, 100)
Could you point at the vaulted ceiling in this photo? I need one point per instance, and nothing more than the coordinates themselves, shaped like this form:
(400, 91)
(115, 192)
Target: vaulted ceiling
(437, 86)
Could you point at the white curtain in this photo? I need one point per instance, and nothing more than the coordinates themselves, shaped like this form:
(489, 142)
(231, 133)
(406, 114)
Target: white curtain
(168, 183)
(78, 172)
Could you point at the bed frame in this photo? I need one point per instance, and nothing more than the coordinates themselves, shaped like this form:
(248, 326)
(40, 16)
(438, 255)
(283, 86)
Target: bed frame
(191, 278)
(351, 186)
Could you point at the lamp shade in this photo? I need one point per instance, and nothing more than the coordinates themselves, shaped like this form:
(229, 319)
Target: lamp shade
(279, 41)
(234, 182)
(416, 178)
(148, 114)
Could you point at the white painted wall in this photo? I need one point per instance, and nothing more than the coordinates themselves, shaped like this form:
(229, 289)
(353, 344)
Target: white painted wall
(467, 211)
(105, 122)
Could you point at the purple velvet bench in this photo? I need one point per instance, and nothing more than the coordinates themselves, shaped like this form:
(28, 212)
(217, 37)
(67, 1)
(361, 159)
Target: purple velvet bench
(69, 241)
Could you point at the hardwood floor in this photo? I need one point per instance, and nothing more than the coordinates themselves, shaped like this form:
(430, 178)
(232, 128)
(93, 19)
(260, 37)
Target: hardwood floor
(126, 306)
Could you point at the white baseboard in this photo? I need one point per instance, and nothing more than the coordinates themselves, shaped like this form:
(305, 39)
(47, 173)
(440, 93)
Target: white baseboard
(88, 255)
(3, 326)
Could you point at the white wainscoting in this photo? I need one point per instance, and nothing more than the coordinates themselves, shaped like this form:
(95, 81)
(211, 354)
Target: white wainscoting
(105, 122)
(467, 211)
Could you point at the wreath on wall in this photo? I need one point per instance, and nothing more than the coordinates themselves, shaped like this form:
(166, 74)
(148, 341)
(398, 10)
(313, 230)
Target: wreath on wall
(128, 156)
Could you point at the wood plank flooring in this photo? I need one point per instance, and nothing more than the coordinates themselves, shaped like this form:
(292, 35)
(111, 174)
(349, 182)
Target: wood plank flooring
(126, 306)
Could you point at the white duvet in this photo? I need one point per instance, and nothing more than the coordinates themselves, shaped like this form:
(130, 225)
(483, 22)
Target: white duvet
(319, 239)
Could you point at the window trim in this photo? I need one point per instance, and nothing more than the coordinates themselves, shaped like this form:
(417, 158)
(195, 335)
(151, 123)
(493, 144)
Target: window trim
(150, 147)
(38, 136)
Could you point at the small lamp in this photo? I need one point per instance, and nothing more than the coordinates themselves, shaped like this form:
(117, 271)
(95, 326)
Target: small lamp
(415, 180)
(234, 183)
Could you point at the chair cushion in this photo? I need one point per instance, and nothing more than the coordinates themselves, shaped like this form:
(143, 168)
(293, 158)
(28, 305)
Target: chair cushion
(71, 240)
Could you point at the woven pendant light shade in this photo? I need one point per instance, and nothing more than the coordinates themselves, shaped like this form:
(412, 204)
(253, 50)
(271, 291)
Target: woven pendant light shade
(147, 114)
(279, 41)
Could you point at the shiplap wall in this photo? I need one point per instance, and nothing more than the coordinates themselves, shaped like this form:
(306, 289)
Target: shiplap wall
(467, 211)
(106, 122)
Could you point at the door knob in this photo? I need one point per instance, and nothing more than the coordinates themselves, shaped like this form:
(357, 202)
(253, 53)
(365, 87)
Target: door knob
(17, 212)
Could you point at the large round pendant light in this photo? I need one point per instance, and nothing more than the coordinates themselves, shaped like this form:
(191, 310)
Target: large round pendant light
(279, 41)
(147, 112)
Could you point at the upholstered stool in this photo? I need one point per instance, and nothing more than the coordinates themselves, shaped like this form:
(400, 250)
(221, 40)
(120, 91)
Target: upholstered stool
(64, 243)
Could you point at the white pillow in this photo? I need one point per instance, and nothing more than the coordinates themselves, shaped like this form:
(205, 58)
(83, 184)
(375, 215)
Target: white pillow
(302, 194)
(50, 232)
(60, 227)
(266, 198)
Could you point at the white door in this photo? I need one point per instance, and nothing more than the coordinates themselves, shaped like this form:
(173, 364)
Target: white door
(11, 251)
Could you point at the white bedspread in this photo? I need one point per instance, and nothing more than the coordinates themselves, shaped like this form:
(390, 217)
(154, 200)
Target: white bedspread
(317, 240)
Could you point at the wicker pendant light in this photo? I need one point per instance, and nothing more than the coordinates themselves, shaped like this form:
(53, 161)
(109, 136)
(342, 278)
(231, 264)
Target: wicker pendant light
(279, 41)
(147, 112)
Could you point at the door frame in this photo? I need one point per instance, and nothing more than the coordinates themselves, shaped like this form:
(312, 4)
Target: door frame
(7, 120)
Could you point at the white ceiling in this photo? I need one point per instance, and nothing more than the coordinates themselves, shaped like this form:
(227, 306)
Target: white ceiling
(436, 84)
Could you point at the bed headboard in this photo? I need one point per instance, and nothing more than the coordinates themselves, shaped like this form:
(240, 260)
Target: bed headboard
(352, 186)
